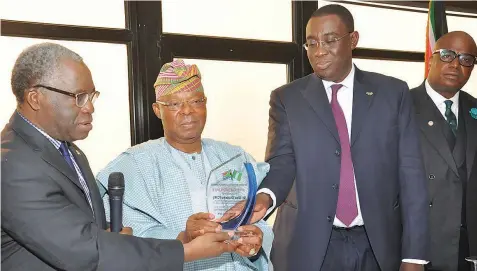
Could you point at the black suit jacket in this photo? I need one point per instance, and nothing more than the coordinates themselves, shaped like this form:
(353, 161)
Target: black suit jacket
(47, 223)
(303, 145)
(446, 175)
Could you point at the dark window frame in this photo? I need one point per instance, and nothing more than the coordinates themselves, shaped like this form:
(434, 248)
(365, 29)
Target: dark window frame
(148, 48)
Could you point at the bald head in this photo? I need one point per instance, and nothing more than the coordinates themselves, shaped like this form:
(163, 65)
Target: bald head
(458, 39)
(445, 77)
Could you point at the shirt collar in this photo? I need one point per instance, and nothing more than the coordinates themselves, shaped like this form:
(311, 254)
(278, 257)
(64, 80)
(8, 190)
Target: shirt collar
(347, 82)
(439, 99)
(53, 141)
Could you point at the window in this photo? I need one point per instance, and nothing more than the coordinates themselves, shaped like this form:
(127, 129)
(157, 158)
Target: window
(261, 20)
(237, 106)
(468, 25)
(108, 65)
(387, 28)
(85, 12)
(410, 72)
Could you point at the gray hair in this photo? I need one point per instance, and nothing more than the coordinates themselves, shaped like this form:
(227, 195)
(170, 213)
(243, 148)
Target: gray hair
(38, 63)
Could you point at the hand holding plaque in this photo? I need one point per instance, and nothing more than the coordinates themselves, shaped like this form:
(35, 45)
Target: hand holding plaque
(231, 182)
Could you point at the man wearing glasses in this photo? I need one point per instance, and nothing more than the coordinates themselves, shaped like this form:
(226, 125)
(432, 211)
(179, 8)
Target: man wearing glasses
(53, 217)
(166, 178)
(447, 117)
(348, 140)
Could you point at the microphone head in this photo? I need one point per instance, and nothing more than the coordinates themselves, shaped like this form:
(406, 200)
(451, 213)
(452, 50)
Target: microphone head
(116, 184)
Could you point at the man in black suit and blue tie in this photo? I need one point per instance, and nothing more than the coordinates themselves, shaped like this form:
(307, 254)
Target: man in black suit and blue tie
(52, 213)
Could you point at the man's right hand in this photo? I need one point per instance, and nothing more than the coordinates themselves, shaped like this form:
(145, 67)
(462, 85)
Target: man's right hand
(263, 202)
(201, 223)
(208, 245)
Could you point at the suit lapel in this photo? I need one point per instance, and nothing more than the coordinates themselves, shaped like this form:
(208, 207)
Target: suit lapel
(431, 126)
(53, 157)
(40, 143)
(363, 95)
(49, 153)
(90, 180)
(471, 129)
(315, 94)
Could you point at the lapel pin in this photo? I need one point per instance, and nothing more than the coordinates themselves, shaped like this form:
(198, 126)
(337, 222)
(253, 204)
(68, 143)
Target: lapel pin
(430, 123)
(369, 93)
(77, 152)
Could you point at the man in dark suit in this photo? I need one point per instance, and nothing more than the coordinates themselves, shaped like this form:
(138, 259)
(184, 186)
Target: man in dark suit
(52, 214)
(360, 191)
(449, 145)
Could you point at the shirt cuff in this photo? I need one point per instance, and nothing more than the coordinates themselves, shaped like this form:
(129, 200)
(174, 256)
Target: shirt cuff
(414, 261)
(272, 195)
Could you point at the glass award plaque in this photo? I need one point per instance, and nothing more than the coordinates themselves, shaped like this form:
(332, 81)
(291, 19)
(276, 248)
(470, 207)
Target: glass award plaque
(229, 183)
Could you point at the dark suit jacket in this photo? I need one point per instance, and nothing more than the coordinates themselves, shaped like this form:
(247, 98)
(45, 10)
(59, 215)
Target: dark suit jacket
(303, 145)
(47, 223)
(446, 171)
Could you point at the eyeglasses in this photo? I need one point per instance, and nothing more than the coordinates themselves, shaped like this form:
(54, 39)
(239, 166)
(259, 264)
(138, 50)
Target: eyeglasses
(446, 55)
(81, 98)
(312, 44)
(175, 105)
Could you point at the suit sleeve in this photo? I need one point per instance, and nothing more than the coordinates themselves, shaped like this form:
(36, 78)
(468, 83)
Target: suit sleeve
(279, 152)
(37, 214)
(413, 186)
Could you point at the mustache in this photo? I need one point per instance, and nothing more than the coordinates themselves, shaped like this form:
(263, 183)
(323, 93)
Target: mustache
(187, 120)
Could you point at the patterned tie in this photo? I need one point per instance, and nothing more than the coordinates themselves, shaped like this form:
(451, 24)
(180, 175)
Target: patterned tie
(66, 155)
(346, 210)
(450, 116)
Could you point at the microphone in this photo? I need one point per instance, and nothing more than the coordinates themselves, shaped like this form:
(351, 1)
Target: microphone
(116, 192)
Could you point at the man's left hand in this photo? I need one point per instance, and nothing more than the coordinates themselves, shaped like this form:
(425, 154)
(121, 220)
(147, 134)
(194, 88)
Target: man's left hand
(250, 241)
(411, 267)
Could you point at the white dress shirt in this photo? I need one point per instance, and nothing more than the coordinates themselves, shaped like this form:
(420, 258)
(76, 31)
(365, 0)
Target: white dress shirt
(345, 99)
(439, 101)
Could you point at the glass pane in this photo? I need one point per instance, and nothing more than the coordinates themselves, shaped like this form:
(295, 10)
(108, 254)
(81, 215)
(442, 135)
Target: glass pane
(108, 65)
(387, 28)
(238, 95)
(468, 25)
(410, 72)
(84, 12)
(261, 20)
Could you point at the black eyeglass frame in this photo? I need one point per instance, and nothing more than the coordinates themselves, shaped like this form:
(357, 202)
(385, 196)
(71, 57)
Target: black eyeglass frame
(89, 96)
(456, 55)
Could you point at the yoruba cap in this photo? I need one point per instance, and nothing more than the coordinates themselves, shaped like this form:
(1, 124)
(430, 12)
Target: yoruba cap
(176, 77)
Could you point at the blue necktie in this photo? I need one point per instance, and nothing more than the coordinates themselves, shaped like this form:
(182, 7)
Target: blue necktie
(66, 154)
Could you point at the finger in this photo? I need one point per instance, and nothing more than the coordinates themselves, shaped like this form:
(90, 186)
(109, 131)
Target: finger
(250, 229)
(259, 207)
(245, 251)
(200, 216)
(258, 215)
(232, 213)
(210, 225)
(219, 237)
(255, 240)
(228, 246)
(195, 234)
